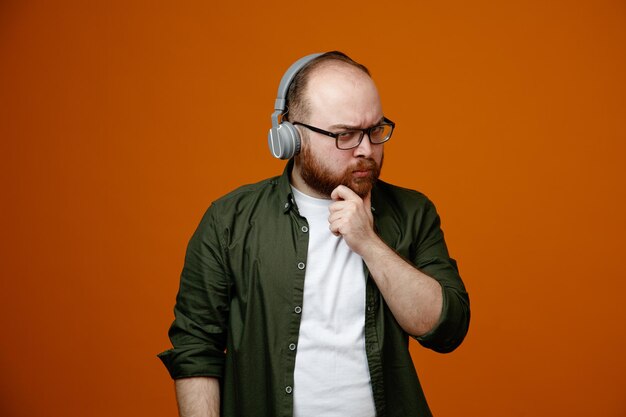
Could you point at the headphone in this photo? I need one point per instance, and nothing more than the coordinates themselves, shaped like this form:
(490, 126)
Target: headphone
(283, 138)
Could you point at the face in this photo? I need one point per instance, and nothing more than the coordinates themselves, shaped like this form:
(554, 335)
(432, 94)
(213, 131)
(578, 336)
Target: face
(339, 97)
(359, 176)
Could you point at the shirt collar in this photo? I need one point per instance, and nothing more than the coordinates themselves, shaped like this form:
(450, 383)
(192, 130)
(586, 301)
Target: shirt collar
(284, 187)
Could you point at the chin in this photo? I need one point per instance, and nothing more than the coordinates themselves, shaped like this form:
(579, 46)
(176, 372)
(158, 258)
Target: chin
(362, 187)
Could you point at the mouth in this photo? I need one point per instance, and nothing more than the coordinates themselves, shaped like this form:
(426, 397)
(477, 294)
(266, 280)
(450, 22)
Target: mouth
(364, 168)
(362, 173)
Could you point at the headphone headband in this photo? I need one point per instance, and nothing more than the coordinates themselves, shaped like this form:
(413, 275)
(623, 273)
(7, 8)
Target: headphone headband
(285, 82)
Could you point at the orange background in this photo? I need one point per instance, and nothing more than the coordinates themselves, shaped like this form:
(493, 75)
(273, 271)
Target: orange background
(121, 121)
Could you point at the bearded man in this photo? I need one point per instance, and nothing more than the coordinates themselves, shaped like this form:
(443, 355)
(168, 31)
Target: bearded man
(299, 293)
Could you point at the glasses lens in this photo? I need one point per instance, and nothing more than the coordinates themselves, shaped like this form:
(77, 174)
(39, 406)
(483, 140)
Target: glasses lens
(380, 133)
(349, 139)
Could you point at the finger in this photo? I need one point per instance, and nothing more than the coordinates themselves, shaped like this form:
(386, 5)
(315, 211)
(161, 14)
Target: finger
(334, 217)
(337, 206)
(343, 193)
(334, 228)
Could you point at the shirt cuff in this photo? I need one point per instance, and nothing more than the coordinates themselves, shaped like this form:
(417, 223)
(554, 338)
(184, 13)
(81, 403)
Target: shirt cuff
(192, 361)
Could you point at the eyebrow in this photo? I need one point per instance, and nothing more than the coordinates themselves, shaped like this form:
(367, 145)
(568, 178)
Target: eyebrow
(348, 127)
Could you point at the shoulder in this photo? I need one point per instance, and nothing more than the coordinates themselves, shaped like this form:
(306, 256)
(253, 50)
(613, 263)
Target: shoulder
(249, 192)
(393, 196)
(233, 214)
(265, 199)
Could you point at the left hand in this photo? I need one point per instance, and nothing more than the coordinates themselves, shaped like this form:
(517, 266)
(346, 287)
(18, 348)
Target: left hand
(351, 217)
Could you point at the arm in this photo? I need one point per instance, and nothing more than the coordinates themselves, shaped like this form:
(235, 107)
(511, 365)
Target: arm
(198, 397)
(414, 298)
(198, 333)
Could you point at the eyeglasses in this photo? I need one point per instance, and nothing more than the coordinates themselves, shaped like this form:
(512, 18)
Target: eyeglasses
(351, 138)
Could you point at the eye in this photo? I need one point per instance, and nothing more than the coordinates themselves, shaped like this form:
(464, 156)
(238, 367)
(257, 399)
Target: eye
(348, 135)
(377, 130)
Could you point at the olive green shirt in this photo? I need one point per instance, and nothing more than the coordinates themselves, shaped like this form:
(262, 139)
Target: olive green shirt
(238, 309)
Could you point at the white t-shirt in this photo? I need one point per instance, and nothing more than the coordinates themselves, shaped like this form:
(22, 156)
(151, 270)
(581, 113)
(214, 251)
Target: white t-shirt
(331, 377)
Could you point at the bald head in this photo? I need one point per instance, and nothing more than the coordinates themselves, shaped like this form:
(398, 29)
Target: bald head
(298, 104)
(340, 96)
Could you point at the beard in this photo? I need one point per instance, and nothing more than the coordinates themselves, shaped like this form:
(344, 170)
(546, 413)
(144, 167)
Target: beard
(322, 180)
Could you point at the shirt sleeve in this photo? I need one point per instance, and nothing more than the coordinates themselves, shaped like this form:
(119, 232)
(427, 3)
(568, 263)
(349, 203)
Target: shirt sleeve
(198, 333)
(432, 258)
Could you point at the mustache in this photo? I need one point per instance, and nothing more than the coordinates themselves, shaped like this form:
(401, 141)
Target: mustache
(365, 164)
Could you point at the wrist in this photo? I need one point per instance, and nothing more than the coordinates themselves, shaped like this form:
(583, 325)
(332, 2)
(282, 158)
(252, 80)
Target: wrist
(371, 247)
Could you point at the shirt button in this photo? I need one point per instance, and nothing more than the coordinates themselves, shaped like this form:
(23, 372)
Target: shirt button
(288, 389)
(298, 309)
(300, 265)
(292, 346)
(305, 229)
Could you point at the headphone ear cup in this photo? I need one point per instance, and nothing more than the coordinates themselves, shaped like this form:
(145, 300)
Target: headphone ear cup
(289, 140)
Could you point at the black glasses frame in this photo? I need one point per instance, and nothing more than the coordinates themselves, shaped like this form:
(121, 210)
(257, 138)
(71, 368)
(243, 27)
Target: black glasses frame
(386, 122)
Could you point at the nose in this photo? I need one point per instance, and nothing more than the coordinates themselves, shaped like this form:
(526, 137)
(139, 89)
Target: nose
(365, 147)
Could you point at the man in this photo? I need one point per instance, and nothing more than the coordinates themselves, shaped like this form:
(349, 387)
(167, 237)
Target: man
(299, 293)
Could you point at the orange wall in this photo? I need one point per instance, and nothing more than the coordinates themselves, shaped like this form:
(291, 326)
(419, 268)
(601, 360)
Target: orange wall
(121, 121)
